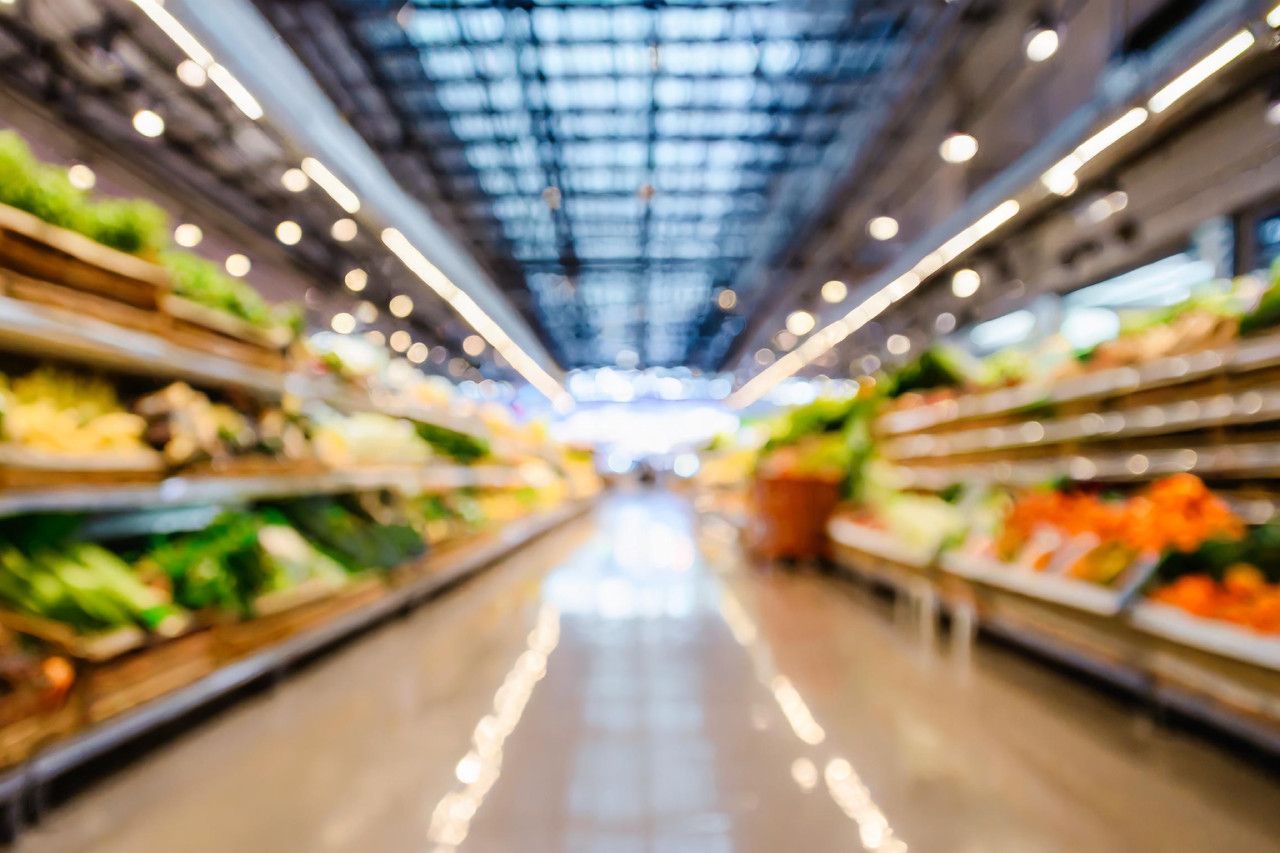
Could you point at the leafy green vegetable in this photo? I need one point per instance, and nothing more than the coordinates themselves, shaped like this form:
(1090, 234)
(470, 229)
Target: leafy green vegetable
(130, 225)
(352, 538)
(456, 445)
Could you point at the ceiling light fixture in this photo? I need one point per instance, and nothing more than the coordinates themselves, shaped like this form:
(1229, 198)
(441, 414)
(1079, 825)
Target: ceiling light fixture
(235, 91)
(473, 345)
(417, 353)
(834, 291)
(400, 305)
(366, 311)
(1041, 41)
(295, 180)
(81, 176)
(289, 232)
(726, 299)
(330, 183)
(965, 283)
(958, 147)
(800, 323)
(400, 340)
(149, 123)
(237, 265)
(1061, 178)
(192, 73)
(179, 34)
(343, 323)
(1217, 59)
(883, 228)
(764, 356)
(344, 230)
(188, 235)
(898, 345)
(356, 280)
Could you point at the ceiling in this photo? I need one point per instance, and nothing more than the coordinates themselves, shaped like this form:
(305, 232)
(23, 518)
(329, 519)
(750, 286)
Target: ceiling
(614, 164)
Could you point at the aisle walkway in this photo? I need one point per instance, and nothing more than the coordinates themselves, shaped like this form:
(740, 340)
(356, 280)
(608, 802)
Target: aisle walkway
(615, 689)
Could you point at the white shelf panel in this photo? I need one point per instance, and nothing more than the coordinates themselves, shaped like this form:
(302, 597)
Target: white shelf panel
(193, 491)
(1219, 638)
(1081, 595)
(877, 543)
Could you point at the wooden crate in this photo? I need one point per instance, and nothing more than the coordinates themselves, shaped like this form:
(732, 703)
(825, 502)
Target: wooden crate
(186, 311)
(234, 640)
(24, 468)
(32, 726)
(65, 639)
(197, 337)
(82, 303)
(111, 688)
(33, 247)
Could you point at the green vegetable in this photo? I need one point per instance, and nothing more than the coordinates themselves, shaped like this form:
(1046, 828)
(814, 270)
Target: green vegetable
(134, 226)
(203, 282)
(1267, 312)
(352, 538)
(456, 445)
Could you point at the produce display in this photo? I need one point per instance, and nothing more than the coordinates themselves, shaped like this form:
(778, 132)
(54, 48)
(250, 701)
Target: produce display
(155, 530)
(134, 226)
(1114, 505)
(203, 282)
(66, 412)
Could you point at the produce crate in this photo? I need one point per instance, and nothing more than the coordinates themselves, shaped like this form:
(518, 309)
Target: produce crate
(113, 687)
(82, 303)
(29, 725)
(197, 337)
(788, 517)
(22, 468)
(193, 313)
(234, 640)
(65, 639)
(33, 247)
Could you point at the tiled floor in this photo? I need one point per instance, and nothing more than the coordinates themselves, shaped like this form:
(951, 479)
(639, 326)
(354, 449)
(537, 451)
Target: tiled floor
(614, 688)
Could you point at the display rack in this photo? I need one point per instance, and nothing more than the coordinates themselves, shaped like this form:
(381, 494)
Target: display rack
(29, 328)
(24, 783)
(1215, 672)
(190, 491)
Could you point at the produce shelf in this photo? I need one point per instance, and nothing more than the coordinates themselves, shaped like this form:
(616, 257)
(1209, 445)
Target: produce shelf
(29, 328)
(440, 571)
(877, 543)
(1248, 407)
(1219, 638)
(1069, 592)
(1246, 460)
(1222, 675)
(1243, 356)
(192, 491)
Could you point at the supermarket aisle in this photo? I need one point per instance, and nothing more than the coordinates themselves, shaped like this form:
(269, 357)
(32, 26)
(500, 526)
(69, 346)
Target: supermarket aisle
(613, 689)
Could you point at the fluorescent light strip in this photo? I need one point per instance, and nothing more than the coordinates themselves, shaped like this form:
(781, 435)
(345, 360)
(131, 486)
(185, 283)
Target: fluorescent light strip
(1201, 71)
(873, 306)
(328, 181)
(475, 316)
(180, 35)
(235, 90)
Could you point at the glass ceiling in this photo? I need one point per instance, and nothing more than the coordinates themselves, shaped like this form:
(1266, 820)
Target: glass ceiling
(620, 156)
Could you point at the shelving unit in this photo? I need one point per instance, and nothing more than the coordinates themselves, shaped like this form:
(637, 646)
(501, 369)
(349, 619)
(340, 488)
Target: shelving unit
(28, 328)
(191, 491)
(436, 573)
(1212, 671)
